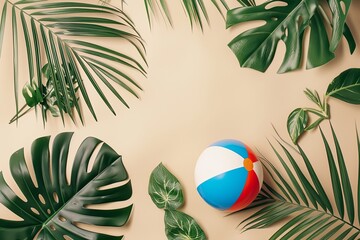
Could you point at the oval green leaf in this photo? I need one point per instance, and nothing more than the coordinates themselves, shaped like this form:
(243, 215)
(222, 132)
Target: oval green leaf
(165, 189)
(346, 86)
(180, 226)
(54, 205)
(296, 123)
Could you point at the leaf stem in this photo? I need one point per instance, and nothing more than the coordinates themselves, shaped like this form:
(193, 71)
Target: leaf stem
(18, 115)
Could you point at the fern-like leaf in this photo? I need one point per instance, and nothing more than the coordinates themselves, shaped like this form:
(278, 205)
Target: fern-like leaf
(196, 10)
(68, 34)
(309, 211)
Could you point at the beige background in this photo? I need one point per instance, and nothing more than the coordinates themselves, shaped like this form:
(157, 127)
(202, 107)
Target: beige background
(195, 94)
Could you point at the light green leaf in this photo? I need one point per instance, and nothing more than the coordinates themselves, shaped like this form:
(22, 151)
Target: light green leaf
(180, 226)
(314, 124)
(165, 189)
(346, 86)
(296, 123)
(54, 206)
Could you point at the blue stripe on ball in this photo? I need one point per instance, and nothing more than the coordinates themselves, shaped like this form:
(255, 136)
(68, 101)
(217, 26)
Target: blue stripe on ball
(233, 145)
(224, 193)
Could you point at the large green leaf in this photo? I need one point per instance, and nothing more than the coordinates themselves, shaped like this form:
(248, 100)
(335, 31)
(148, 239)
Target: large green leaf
(54, 205)
(346, 86)
(286, 20)
(180, 226)
(305, 220)
(165, 189)
(58, 29)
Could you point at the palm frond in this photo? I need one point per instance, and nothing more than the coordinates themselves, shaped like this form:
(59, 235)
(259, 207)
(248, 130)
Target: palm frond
(304, 202)
(66, 35)
(196, 10)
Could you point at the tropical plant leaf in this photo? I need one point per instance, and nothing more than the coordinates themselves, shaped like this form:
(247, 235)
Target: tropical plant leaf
(305, 219)
(296, 123)
(195, 10)
(339, 19)
(286, 20)
(59, 28)
(55, 205)
(165, 189)
(346, 86)
(179, 225)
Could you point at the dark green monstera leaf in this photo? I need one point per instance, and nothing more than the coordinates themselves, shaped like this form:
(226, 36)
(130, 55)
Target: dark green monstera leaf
(55, 205)
(286, 20)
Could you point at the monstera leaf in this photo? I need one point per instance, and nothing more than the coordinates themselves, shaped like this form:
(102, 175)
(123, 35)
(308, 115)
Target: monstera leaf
(54, 205)
(286, 20)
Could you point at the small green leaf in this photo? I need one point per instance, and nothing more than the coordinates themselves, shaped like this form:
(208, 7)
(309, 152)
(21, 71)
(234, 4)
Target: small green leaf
(165, 189)
(346, 86)
(313, 96)
(296, 123)
(32, 94)
(180, 226)
(314, 124)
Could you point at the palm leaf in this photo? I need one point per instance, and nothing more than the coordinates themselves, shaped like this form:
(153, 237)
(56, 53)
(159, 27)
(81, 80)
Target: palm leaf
(286, 21)
(195, 10)
(55, 205)
(58, 29)
(306, 219)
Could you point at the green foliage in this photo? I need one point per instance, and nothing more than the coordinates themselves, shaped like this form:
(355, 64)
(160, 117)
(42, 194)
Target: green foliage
(166, 192)
(179, 225)
(297, 122)
(165, 189)
(287, 20)
(46, 97)
(305, 204)
(345, 87)
(59, 30)
(54, 205)
(195, 9)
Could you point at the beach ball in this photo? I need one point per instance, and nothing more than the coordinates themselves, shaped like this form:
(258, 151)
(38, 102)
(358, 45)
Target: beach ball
(228, 175)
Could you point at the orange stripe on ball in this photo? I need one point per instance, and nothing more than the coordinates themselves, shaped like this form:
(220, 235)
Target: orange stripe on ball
(248, 164)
